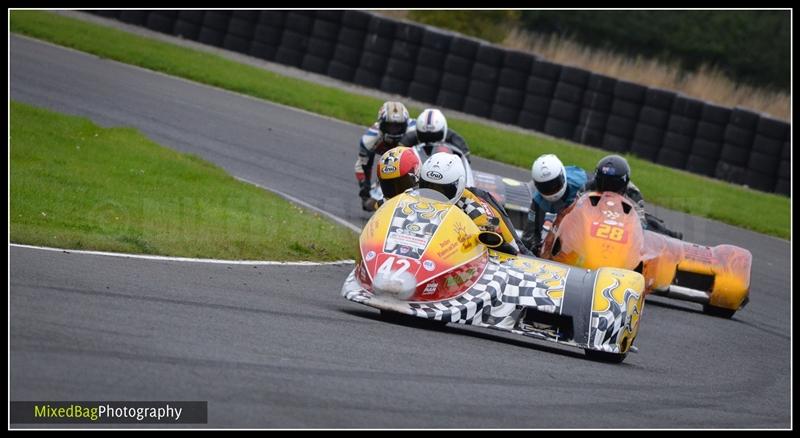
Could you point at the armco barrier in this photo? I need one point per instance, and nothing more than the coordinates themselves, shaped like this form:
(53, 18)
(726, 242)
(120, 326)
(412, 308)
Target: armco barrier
(465, 74)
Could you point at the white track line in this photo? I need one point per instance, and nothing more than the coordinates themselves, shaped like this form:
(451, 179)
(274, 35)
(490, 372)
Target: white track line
(184, 259)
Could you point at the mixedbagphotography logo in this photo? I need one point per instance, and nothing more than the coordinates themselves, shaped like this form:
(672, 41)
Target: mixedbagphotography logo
(108, 412)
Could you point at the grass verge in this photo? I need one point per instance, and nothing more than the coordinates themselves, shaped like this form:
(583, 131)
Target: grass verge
(667, 187)
(77, 185)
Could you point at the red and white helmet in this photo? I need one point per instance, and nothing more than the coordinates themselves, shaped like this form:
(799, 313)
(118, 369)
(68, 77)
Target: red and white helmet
(398, 170)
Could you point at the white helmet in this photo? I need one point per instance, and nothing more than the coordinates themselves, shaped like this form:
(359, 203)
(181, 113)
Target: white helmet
(444, 172)
(549, 177)
(431, 126)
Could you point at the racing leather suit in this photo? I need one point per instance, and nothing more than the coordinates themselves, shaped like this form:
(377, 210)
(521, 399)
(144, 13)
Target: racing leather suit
(532, 232)
(372, 143)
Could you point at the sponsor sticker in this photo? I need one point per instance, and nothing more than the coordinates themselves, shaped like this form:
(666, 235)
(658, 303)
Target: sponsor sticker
(432, 174)
(370, 255)
(414, 228)
(407, 240)
(429, 265)
(430, 288)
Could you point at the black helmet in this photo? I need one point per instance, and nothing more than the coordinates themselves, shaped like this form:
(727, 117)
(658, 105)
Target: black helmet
(612, 174)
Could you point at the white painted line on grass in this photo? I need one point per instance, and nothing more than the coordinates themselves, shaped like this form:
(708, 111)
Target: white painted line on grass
(184, 259)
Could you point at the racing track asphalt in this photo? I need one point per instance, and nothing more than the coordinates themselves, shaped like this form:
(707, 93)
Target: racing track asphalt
(278, 346)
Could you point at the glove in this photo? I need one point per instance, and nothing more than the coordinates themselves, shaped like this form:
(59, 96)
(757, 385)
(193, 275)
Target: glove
(364, 188)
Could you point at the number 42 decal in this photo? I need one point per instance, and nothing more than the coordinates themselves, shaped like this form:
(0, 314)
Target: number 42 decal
(605, 231)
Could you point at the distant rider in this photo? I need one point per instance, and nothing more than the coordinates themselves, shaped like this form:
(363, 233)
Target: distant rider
(431, 127)
(398, 171)
(557, 188)
(393, 122)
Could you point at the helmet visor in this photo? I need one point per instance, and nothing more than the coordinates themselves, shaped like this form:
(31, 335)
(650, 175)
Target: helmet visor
(430, 137)
(448, 190)
(394, 129)
(550, 187)
(395, 186)
(612, 183)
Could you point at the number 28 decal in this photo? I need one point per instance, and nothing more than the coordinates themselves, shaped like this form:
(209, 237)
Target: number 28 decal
(605, 231)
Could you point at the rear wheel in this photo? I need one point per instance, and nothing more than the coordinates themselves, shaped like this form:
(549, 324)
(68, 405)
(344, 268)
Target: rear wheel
(602, 356)
(719, 312)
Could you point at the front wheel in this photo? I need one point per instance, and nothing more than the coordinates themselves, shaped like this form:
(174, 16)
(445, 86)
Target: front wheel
(719, 312)
(602, 356)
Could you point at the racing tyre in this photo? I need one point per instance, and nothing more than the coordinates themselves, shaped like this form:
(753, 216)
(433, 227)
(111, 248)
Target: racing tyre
(602, 356)
(408, 320)
(718, 311)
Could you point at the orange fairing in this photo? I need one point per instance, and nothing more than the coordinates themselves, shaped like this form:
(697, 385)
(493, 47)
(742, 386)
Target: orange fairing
(597, 231)
(428, 253)
(600, 230)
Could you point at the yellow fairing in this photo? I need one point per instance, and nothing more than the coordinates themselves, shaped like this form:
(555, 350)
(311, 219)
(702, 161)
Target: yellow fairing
(617, 307)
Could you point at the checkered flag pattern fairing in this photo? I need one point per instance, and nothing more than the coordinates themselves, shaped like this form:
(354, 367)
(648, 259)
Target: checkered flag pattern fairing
(608, 324)
(418, 220)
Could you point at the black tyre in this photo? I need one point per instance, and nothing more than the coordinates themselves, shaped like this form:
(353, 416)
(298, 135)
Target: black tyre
(382, 27)
(160, 23)
(512, 79)
(783, 187)
(672, 158)
(773, 128)
(321, 48)
(268, 35)
(236, 43)
(648, 134)
(630, 91)
(574, 76)
(272, 18)
(531, 120)
(759, 181)
(409, 320)
(449, 99)
(436, 40)
(509, 97)
(701, 165)
(597, 101)
(767, 145)
(734, 154)
(504, 114)
(464, 47)
(730, 172)
(356, 19)
(591, 137)
(540, 87)
(262, 51)
(194, 16)
(373, 62)
(457, 64)
(430, 58)
(294, 41)
(409, 32)
(519, 61)
(565, 111)
(428, 76)
(246, 15)
(744, 118)
(710, 131)
(706, 149)
(489, 55)
(477, 107)
(211, 37)
(481, 90)
(341, 71)
(677, 142)
(653, 116)
(784, 169)
(290, 57)
(455, 83)
(559, 128)
(625, 108)
(591, 119)
(485, 72)
(601, 83)
(687, 107)
(567, 92)
(367, 78)
(378, 44)
(187, 30)
(241, 28)
(719, 312)
(682, 125)
(353, 38)
(137, 18)
(739, 137)
(546, 70)
(715, 114)
(314, 64)
(405, 51)
(658, 98)
(762, 163)
(394, 85)
(325, 30)
(615, 143)
(217, 20)
(330, 15)
(644, 150)
(620, 126)
(602, 356)
(347, 55)
(536, 104)
(422, 92)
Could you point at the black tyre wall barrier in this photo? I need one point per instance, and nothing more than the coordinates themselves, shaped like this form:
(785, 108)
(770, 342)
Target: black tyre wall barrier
(462, 73)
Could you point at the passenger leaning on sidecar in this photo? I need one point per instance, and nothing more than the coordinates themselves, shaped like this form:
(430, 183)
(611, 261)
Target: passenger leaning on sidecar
(393, 122)
(445, 173)
(557, 188)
